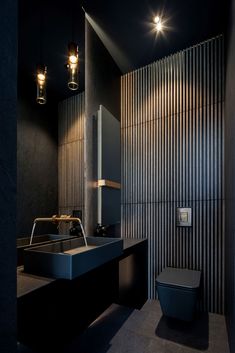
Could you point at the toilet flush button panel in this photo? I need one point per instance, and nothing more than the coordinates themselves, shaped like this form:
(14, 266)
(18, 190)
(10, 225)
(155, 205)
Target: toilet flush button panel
(184, 217)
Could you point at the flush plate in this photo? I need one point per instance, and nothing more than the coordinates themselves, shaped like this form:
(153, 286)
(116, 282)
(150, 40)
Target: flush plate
(184, 217)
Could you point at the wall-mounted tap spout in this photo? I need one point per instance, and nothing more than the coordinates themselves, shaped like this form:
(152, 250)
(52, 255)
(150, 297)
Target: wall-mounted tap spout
(56, 220)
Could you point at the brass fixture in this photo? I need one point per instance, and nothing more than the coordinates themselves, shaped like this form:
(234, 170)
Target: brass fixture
(56, 220)
(108, 183)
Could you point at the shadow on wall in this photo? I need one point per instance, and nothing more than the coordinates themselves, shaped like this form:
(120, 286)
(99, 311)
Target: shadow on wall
(194, 334)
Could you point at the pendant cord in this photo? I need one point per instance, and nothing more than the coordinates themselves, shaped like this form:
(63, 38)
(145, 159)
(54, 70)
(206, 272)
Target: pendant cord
(41, 38)
(73, 19)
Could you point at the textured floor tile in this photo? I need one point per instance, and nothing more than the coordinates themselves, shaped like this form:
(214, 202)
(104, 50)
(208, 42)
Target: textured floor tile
(166, 347)
(132, 343)
(143, 323)
(194, 335)
(207, 332)
(129, 342)
(121, 330)
(218, 337)
(152, 305)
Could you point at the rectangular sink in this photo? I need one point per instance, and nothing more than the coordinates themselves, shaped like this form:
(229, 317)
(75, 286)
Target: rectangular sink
(69, 259)
(23, 243)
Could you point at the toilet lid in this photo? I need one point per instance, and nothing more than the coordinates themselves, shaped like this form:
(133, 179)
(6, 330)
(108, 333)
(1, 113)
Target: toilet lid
(180, 277)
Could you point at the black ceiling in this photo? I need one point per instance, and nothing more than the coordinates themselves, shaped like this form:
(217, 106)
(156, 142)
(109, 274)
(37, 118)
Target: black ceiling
(127, 23)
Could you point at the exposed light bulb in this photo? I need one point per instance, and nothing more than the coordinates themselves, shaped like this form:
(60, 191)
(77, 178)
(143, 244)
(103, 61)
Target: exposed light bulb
(157, 19)
(41, 77)
(73, 59)
(158, 23)
(159, 26)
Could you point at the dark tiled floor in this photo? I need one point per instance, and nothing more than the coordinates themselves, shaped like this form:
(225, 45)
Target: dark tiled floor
(207, 333)
(121, 330)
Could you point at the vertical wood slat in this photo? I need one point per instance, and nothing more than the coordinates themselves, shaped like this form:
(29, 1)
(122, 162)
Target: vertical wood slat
(172, 156)
(71, 155)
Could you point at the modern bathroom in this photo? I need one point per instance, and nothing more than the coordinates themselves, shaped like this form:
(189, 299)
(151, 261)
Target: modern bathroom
(117, 176)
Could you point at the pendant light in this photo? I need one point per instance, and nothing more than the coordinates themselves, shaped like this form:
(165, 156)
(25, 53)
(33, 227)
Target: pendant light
(73, 59)
(41, 84)
(41, 73)
(73, 66)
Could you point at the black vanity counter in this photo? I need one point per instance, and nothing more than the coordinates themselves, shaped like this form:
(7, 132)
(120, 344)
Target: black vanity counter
(26, 283)
(53, 311)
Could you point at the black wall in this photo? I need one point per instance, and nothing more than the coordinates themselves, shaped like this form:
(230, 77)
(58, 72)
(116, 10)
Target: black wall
(230, 181)
(8, 89)
(37, 163)
(172, 131)
(102, 82)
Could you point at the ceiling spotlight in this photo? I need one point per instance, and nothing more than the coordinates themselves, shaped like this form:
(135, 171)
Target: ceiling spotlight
(158, 23)
(159, 26)
(157, 19)
(72, 66)
(41, 84)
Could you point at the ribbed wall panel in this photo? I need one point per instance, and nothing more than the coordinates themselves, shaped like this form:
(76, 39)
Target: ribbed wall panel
(71, 155)
(172, 156)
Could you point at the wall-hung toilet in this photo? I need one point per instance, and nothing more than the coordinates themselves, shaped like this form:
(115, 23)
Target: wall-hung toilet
(177, 292)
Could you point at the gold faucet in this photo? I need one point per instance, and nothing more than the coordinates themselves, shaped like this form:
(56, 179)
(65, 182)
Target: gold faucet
(56, 220)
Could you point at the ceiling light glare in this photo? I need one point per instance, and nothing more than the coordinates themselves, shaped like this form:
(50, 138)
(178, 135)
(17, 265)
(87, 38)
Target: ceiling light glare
(157, 19)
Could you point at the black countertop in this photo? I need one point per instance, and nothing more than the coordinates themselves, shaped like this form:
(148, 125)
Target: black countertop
(26, 283)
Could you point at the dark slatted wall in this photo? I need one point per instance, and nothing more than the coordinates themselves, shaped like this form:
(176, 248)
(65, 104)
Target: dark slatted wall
(71, 156)
(172, 125)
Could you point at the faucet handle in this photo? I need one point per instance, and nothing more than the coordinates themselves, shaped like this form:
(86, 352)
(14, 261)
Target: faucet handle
(54, 219)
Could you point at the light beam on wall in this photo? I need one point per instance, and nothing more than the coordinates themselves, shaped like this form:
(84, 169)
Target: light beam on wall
(116, 53)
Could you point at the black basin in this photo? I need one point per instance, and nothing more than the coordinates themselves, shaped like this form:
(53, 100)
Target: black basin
(69, 259)
(23, 243)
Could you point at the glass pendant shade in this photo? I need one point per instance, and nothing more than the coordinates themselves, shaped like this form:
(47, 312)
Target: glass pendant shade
(73, 78)
(41, 84)
(73, 66)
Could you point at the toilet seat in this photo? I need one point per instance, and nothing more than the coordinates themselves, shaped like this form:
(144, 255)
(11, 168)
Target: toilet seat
(181, 278)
